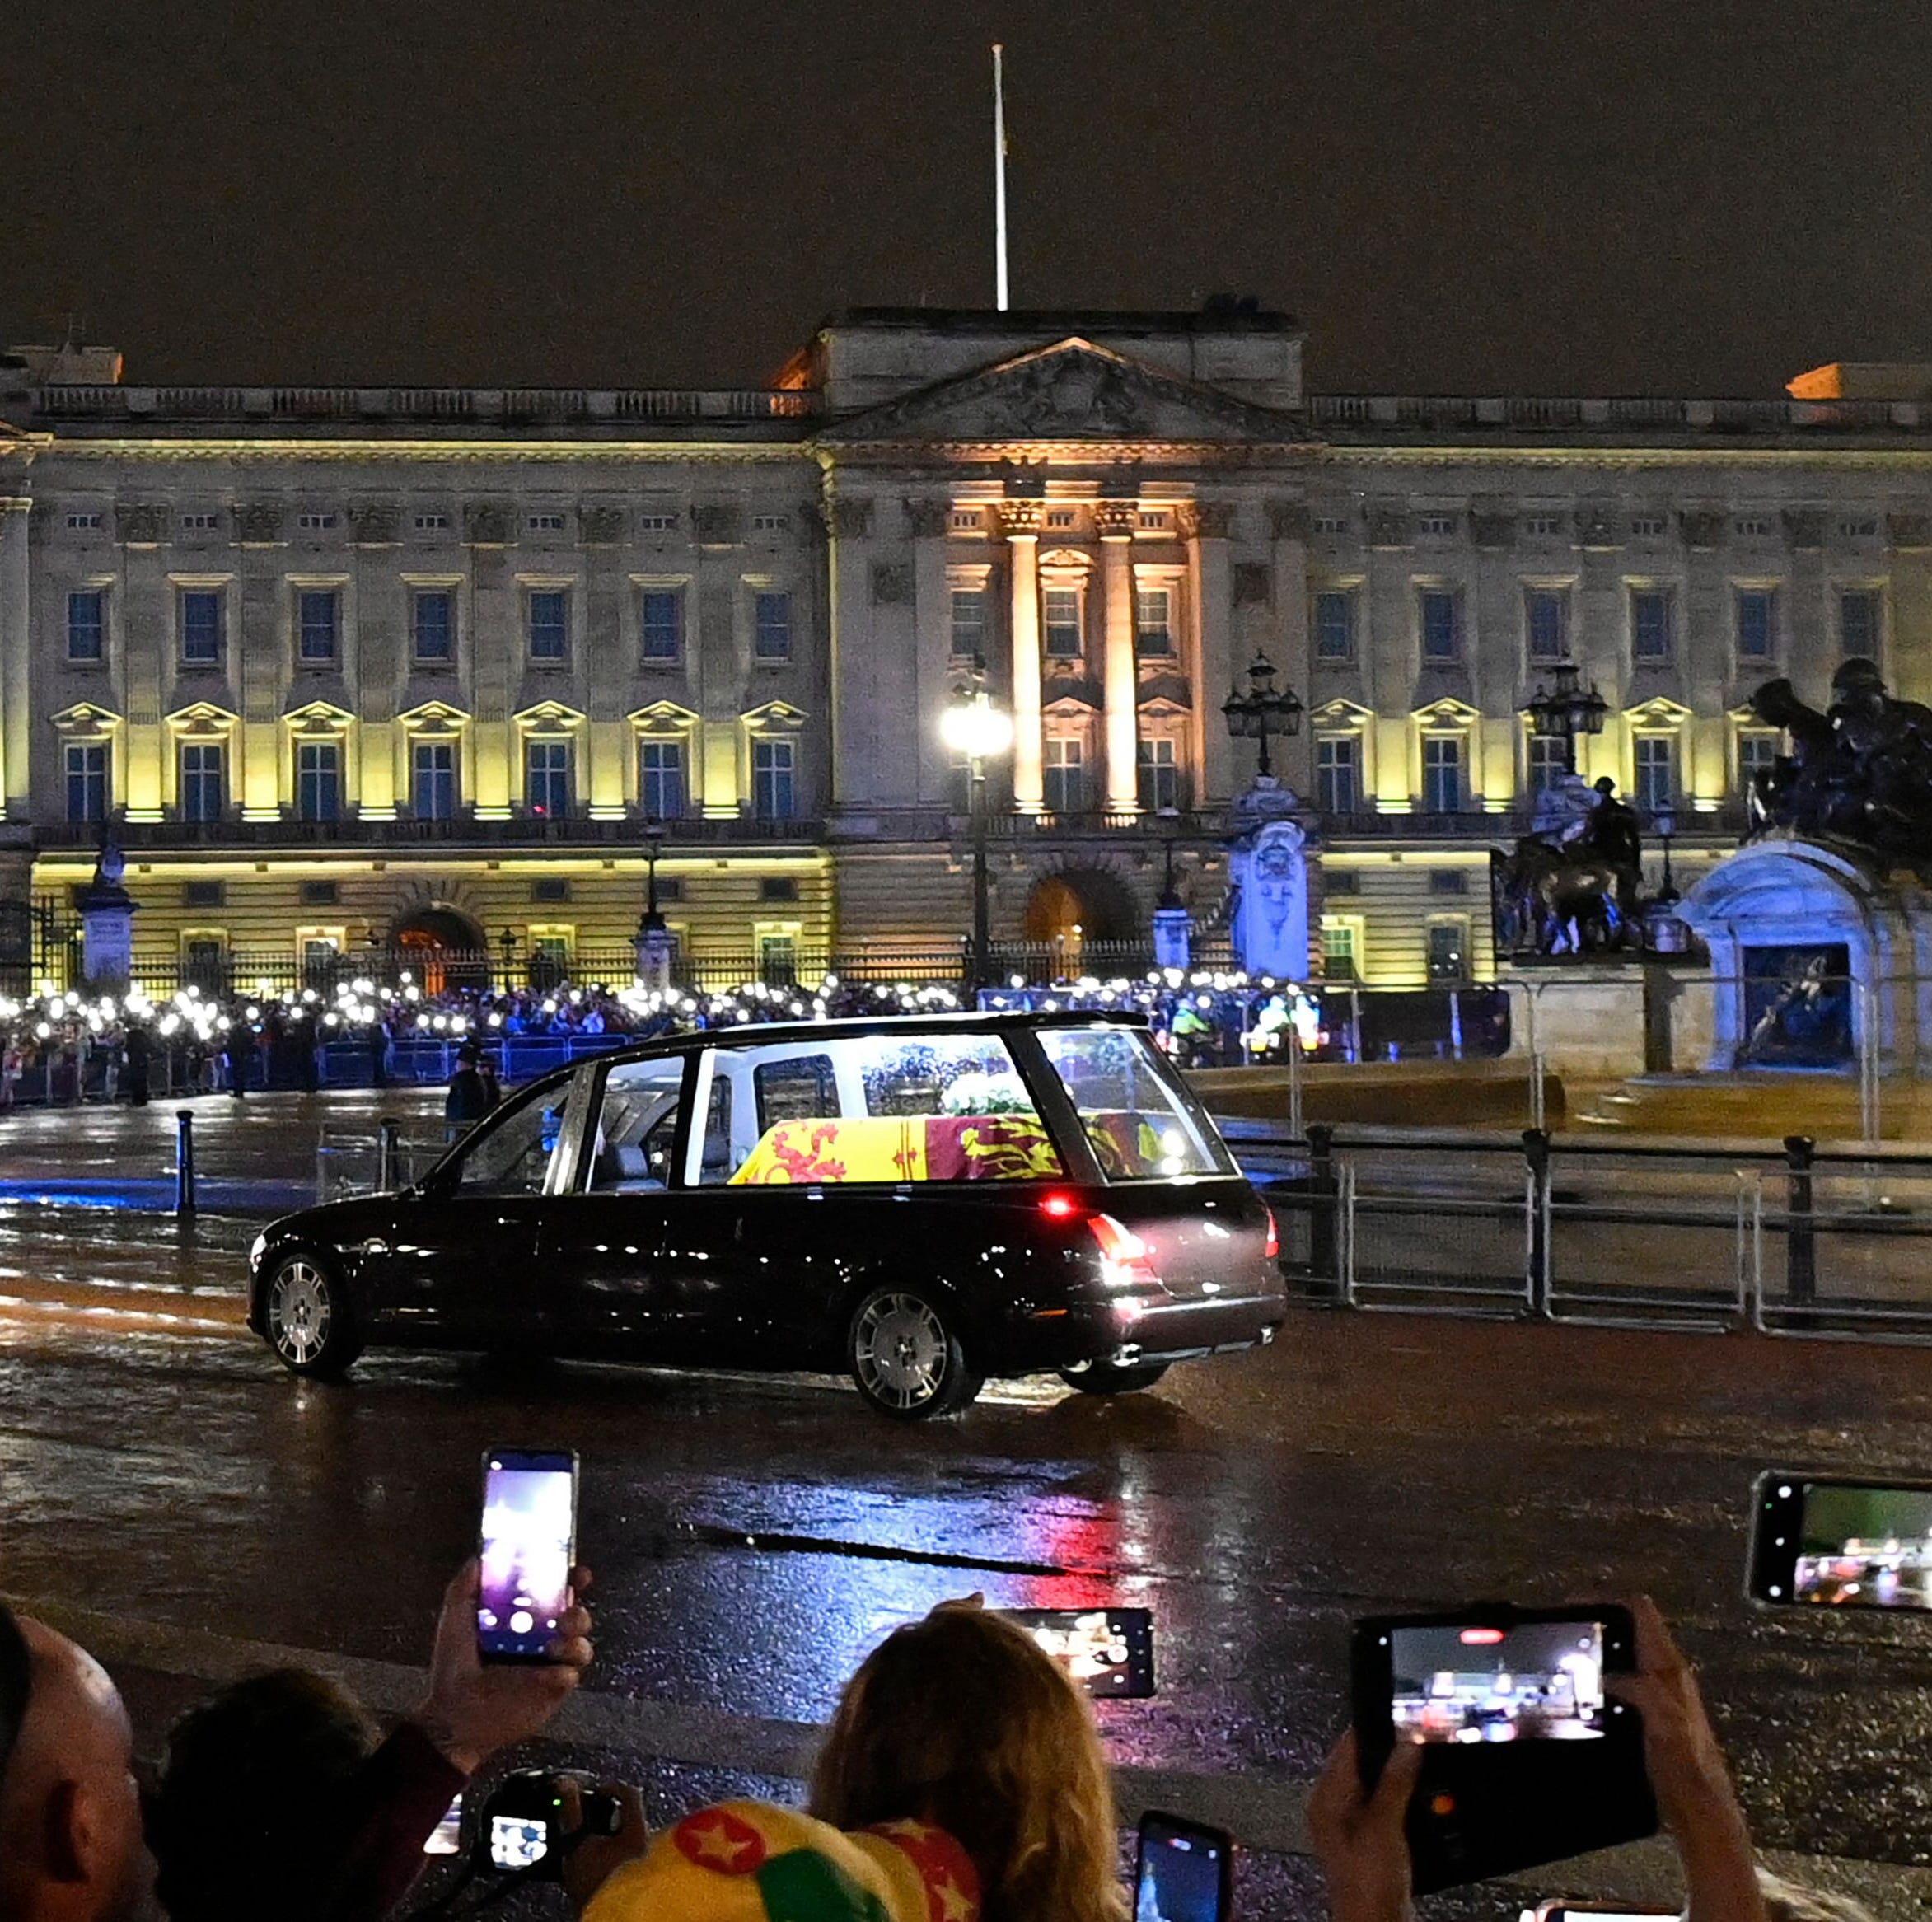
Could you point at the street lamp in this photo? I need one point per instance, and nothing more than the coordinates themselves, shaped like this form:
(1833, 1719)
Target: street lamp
(1564, 711)
(975, 730)
(653, 921)
(1264, 710)
(506, 941)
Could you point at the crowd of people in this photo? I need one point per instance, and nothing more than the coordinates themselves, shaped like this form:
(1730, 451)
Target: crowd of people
(70, 1047)
(961, 1779)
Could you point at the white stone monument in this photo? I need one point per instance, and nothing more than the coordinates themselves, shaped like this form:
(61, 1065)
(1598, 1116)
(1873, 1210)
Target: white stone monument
(107, 926)
(1268, 867)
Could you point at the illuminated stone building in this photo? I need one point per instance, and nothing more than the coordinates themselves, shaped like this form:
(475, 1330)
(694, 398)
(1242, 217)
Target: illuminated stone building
(350, 666)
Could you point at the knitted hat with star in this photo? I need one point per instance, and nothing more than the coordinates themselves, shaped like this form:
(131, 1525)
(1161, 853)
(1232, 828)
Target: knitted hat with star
(754, 1862)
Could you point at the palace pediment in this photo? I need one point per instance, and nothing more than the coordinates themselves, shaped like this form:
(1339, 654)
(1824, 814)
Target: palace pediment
(1072, 391)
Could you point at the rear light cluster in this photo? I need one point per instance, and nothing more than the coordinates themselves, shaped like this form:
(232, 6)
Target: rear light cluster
(1274, 1247)
(1125, 1264)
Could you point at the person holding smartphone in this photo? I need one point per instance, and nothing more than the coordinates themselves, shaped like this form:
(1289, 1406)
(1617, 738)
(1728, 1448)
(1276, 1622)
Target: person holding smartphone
(1365, 1852)
(277, 1797)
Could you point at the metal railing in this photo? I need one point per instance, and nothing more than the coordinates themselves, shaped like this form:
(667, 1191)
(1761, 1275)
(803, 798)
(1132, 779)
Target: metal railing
(1466, 412)
(1793, 1242)
(443, 405)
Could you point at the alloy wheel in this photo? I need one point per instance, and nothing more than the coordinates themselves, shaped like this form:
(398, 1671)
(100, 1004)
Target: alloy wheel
(300, 1312)
(900, 1351)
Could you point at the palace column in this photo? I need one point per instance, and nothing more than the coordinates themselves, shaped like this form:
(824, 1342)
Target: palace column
(1120, 688)
(15, 657)
(1020, 519)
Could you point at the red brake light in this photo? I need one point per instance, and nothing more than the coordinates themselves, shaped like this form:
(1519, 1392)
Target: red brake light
(1274, 1247)
(1058, 1206)
(1480, 1638)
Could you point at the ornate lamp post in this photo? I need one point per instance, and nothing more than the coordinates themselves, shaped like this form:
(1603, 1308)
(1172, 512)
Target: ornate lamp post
(1563, 710)
(1265, 710)
(653, 938)
(973, 728)
(506, 941)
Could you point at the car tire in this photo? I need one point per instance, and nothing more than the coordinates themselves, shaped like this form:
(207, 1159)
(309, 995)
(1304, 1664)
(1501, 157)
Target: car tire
(906, 1359)
(1106, 1378)
(307, 1317)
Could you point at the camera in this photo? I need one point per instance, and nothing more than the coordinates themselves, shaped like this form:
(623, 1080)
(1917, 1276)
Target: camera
(521, 1829)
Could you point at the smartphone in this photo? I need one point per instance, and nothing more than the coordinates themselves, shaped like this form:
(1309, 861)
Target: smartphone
(1108, 1651)
(1183, 1871)
(528, 1547)
(1558, 1910)
(1527, 1758)
(1843, 1544)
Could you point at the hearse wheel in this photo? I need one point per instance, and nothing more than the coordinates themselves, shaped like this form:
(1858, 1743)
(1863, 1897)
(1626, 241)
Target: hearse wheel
(310, 1324)
(904, 1359)
(1107, 1378)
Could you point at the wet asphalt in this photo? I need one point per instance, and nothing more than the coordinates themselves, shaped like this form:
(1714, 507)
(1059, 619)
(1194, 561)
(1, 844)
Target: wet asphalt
(752, 1538)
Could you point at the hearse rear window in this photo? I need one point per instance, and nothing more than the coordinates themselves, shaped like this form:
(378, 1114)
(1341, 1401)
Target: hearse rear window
(890, 1108)
(1141, 1123)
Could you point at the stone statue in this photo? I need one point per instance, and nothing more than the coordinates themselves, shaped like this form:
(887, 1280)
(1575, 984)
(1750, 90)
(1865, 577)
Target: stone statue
(1570, 885)
(1268, 843)
(1860, 772)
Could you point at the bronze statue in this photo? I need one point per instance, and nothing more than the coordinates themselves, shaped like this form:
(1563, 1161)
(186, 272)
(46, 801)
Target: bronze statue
(1860, 772)
(1570, 885)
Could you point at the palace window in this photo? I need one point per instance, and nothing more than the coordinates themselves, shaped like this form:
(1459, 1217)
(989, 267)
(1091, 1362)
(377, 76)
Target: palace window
(433, 623)
(1335, 624)
(199, 523)
(87, 781)
(1650, 624)
(87, 624)
(1751, 526)
(1065, 772)
(1657, 773)
(1338, 774)
(1549, 762)
(1063, 624)
(1061, 518)
(318, 614)
(1441, 773)
(315, 523)
(773, 797)
(771, 639)
(657, 523)
(547, 523)
(1757, 748)
(1865, 528)
(1542, 525)
(204, 781)
(1860, 621)
(965, 520)
(1440, 640)
(1342, 958)
(1160, 775)
(768, 523)
(546, 778)
(1436, 525)
(1153, 621)
(83, 523)
(431, 523)
(318, 780)
(1647, 526)
(968, 622)
(1546, 622)
(1332, 524)
(1152, 520)
(433, 780)
(660, 778)
(1755, 612)
(1449, 951)
(661, 622)
(201, 625)
(548, 612)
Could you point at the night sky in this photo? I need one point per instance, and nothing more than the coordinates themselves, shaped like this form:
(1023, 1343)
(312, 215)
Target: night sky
(1660, 196)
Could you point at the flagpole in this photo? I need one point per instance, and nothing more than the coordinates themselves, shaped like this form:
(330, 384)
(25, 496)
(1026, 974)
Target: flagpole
(999, 177)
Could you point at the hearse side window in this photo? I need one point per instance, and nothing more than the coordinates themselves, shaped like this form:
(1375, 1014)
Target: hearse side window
(1141, 1124)
(718, 1162)
(889, 1108)
(512, 1152)
(636, 1127)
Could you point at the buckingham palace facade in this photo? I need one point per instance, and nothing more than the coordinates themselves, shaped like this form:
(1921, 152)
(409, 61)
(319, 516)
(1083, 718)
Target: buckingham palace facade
(344, 667)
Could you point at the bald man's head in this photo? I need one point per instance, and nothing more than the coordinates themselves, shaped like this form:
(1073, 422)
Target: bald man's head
(71, 1847)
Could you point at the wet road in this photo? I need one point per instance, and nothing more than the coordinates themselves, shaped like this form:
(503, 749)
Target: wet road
(752, 1538)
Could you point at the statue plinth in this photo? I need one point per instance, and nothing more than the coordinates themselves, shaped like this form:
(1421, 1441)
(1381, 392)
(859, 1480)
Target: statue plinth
(107, 913)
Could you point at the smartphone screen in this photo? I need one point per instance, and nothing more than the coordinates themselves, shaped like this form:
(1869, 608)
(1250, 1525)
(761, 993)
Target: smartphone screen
(1184, 1871)
(447, 1837)
(529, 1543)
(1843, 1544)
(1108, 1651)
(1530, 1681)
(518, 1841)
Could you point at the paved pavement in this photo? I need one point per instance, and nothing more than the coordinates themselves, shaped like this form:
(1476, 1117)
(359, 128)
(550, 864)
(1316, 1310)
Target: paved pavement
(753, 1538)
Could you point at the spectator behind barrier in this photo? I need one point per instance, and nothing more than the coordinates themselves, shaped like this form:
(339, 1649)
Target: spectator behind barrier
(960, 1755)
(71, 1846)
(277, 1797)
(1365, 1854)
